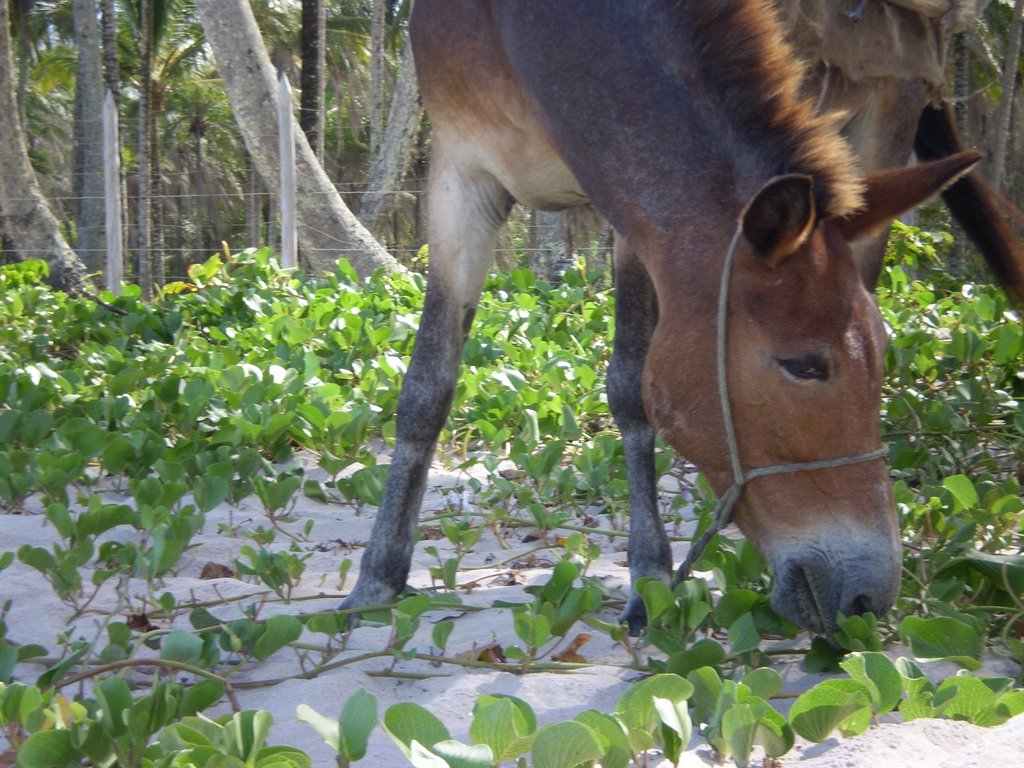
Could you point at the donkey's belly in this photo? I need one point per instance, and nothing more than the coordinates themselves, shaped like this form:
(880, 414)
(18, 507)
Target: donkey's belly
(517, 156)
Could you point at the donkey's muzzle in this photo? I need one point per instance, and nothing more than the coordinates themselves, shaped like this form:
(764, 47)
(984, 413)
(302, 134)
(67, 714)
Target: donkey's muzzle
(813, 592)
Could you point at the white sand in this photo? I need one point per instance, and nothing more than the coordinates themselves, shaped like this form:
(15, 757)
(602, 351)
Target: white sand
(448, 691)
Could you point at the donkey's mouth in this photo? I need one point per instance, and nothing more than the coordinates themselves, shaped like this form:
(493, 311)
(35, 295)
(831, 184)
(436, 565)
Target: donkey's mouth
(798, 597)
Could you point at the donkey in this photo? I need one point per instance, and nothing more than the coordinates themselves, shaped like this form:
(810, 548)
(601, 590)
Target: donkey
(882, 66)
(744, 331)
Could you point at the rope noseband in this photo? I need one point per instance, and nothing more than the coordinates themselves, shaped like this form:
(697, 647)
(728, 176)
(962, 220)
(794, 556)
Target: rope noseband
(723, 511)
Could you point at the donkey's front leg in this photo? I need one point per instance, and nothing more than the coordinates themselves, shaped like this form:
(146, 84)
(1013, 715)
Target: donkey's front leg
(422, 409)
(636, 313)
(466, 210)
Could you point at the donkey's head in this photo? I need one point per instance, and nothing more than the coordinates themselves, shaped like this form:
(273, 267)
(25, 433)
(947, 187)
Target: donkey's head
(803, 372)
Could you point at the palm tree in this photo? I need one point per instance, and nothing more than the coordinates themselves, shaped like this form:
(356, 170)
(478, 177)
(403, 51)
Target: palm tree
(328, 229)
(1008, 90)
(87, 186)
(25, 215)
(313, 44)
(22, 9)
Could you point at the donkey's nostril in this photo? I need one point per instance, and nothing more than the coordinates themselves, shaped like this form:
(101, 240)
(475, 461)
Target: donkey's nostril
(860, 604)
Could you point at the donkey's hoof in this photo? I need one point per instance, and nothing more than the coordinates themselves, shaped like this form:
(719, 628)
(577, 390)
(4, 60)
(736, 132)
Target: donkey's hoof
(634, 616)
(368, 595)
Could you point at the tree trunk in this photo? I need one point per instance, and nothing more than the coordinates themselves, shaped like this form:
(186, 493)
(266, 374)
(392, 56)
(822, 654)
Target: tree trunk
(377, 69)
(111, 68)
(393, 156)
(328, 230)
(1007, 83)
(157, 208)
(313, 44)
(143, 266)
(22, 9)
(25, 215)
(956, 258)
(253, 205)
(87, 183)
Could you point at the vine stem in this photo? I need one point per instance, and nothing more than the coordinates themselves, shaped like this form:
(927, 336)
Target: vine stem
(180, 666)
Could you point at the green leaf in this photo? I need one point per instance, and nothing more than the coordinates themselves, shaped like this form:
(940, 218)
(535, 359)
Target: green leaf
(8, 660)
(823, 657)
(739, 726)
(963, 697)
(743, 635)
(115, 699)
(707, 687)
(636, 707)
(1010, 704)
(326, 728)
(763, 682)
(201, 696)
(357, 720)
(819, 711)
(858, 633)
(209, 491)
(963, 491)
(704, 653)
(441, 632)
(734, 605)
(942, 637)
(879, 676)
(181, 646)
(246, 733)
(565, 744)
(617, 753)
(774, 732)
(658, 598)
(500, 724)
(279, 631)
(406, 722)
(125, 381)
(459, 755)
(421, 757)
(1001, 569)
(675, 726)
(282, 757)
(48, 749)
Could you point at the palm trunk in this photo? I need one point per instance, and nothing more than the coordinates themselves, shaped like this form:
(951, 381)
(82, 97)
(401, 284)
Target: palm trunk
(328, 230)
(253, 205)
(156, 187)
(377, 69)
(143, 223)
(25, 216)
(88, 143)
(1008, 83)
(313, 44)
(392, 159)
(111, 70)
(23, 8)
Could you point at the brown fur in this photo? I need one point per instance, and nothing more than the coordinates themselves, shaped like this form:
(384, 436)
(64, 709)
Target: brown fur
(676, 120)
(752, 71)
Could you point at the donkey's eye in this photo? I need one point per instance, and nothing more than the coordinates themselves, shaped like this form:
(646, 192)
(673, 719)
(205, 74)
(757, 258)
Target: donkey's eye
(805, 368)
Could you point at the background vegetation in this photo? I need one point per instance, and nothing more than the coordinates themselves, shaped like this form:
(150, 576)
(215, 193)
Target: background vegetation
(201, 182)
(204, 396)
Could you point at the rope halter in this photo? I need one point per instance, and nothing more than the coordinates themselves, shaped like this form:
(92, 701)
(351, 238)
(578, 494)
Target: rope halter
(722, 514)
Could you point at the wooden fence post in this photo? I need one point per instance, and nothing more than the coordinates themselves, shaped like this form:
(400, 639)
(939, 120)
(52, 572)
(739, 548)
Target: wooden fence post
(112, 193)
(285, 122)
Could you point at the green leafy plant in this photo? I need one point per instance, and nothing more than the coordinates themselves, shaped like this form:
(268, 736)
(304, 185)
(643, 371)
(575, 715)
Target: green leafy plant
(202, 397)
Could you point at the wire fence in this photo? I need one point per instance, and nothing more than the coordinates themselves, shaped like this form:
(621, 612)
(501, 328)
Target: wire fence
(195, 210)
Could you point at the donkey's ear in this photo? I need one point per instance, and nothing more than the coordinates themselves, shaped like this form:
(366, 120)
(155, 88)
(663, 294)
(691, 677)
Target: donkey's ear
(889, 194)
(780, 217)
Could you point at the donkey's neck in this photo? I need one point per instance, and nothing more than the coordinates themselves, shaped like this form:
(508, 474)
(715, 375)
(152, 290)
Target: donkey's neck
(666, 110)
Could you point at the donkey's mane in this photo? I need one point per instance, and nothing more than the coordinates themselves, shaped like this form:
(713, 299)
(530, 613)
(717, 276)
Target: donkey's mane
(742, 54)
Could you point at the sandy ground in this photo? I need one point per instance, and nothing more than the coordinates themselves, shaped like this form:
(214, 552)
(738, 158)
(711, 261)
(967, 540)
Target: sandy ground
(504, 567)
